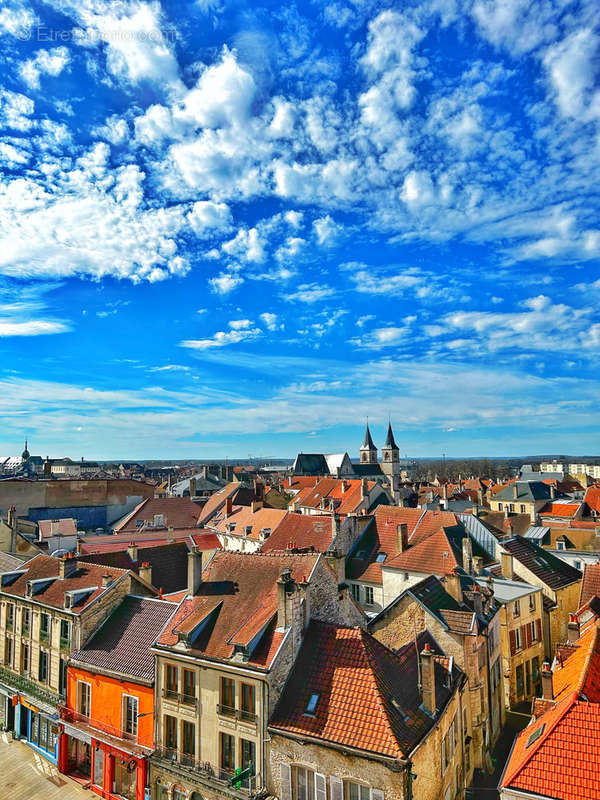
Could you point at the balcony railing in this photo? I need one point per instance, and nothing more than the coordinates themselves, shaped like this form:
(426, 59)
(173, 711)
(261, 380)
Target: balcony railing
(44, 637)
(65, 645)
(25, 629)
(22, 683)
(10, 625)
(247, 716)
(70, 715)
(226, 711)
(183, 699)
(229, 711)
(217, 776)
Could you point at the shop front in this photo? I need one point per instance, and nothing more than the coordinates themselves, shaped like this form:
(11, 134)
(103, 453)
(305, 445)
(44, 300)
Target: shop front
(116, 774)
(75, 754)
(40, 728)
(8, 701)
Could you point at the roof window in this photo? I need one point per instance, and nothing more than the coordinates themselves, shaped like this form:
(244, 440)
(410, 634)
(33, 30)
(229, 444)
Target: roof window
(381, 557)
(535, 735)
(311, 706)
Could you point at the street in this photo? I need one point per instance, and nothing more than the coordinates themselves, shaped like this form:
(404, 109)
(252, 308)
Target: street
(25, 775)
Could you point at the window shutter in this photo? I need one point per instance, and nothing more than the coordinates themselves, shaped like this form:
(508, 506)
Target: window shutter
(376, 794)
(337, 788)
(527, 637)
(320, 787)
(286, 781)
(513, 642)
(538, 625)
(443, 754)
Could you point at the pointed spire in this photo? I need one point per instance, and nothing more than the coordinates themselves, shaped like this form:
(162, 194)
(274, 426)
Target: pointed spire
(368, 442)
(390, 442)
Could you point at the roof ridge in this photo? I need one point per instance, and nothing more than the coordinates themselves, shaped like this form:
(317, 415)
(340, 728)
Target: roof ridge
(591, 652)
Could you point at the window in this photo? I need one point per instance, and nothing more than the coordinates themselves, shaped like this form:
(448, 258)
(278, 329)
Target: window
(162, 791)
(518, 640)
(98, 778)
(528, 677)
(356, 791)
(10, 616)
(125, 779)
(130, 715)
(8, 652)
(517, 609)
(171, 681)
(25, 621)
(179, 793)
(369, 595)
(248, 757)
(533, 631)
(577, 564)
(227, 695)
(355, 592)
(84, 698)
(227, 752)
(381, 557)
(520, 684)
(189, 739)
(43, 667)
(44, 627)
(532, 602)
(65, 633)
(522, 508)
(311, 706)
(499, 506)
(560, 545)
(511, 507)
(535, 669)
(25, 659)
(170, 732)
(189, 685)
(62, 676)
(248, 701)
(303, 784)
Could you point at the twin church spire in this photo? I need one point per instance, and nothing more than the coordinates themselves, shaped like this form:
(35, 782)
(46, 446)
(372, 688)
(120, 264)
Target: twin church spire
(390, 452)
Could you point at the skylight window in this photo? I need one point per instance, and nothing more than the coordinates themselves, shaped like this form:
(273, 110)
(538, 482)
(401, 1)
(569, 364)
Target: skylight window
(311, 706)
(535, 735)
(381, 557)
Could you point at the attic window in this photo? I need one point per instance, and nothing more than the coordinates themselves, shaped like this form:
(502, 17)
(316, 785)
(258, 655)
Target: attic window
(139, 523)
(311, 706)
(381, 557)
(535, 735)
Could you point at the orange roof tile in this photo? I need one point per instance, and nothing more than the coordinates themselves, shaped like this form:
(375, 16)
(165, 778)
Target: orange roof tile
(560, 509)
(433, 556)
(242, 517)
(301, 532)
(590, 585)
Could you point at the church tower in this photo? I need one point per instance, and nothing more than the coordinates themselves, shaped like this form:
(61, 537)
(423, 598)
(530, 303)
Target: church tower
(390, 454)
(368, 451)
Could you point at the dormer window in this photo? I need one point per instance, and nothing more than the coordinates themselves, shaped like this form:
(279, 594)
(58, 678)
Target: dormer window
(381, 557)
(311, 706)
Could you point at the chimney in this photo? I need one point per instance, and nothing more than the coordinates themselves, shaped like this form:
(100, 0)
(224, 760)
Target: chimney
(477, 601)
(445, 491)
(205, 472)
(547, 691)
(506, 560)
(467, 554)
(259, 490)
(78, 544)
(132, 550)
(12, 524)
(552, 491)
(402, 537)
(477, 565)
(364, 489)
(194, 570)
(256, 505)
(453, 586)
(509, 530)
(573, 629)
(428, 679)
(66, 566)
(506, 511)
(228, 507)
(145, 572)
(480, 497)
(285, 588)
(515, 490)
(106, 580)
(193, 491)
(335, 526)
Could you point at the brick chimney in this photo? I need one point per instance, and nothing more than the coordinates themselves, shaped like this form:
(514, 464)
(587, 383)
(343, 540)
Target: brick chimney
(259, 490)
(194, 570)
(428, 679)
(364, 489)
(467, 555)
(547, 690)
(12, 524)
(66, 566)
(402, 537)
(228, 507)
(477, 600)
(145, 572)
(453, 586)
(573, 629)
(480, 496)
(205, 471)
(552, 491)
(515, 490)
(256, 505)
(193, 490)
(106, 580)
(335, 526)
(506, 561)
(132, 550)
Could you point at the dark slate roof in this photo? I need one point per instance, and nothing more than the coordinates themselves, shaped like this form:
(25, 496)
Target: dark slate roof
(368, 441)
(168, 562)
(123, 643)
(9, 562)
(550, 569)
(389, 441)
(367, 470)
(527, 491)
(311, 464)
(368, 695)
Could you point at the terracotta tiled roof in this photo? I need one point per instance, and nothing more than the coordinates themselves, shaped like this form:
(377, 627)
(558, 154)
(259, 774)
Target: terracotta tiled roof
(168, 563)
(238, 591)
(345, 494)
(459, 621)
(301, 531)
(122, 645)
(84, 576)
(217, 500)
(431, 522)
(578, 667)
(433, 556)
(206, 540)
(61, 527)
(590, 585)
(368, 695)
(178, 512)
(560, 509)
(243, 517)
(592, 498)
(380, 536)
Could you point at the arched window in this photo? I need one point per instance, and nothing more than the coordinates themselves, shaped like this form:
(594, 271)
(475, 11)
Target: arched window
(162, 792)
(179, 793)
(196, 796)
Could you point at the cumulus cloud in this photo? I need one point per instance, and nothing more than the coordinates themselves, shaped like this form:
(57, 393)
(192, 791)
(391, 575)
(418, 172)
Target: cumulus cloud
(222, 339)
(270, 320)
(310, 293)
(45, 62)
(225, 283)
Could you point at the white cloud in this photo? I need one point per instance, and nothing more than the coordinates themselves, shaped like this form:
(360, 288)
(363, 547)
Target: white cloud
(240, 324)
(207, 216)
(246, 246)
(270, 320)
(37, 327)
(310, 293)
(115, 130)
(225, 283)
(222, 339)
(327, 230)
(389, 336)
(573, 68)
(45, 62)
(170, 368)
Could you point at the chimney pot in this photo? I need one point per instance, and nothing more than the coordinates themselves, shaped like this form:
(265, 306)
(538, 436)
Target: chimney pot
(573, 629)
(133, 551)
(515, 491)
(428, 679)
(194, 570)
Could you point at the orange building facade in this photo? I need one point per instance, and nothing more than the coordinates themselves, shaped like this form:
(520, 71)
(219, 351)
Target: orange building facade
(108, 733)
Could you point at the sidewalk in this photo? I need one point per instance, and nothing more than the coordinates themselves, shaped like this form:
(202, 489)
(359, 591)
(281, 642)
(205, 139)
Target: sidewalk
(25, 775)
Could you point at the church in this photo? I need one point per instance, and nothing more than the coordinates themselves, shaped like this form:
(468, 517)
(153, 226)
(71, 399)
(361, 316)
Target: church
(391, 469)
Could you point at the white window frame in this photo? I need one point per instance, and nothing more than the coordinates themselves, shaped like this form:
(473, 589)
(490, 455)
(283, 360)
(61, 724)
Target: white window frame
(125, 697)
(80, 684)
(369, 596)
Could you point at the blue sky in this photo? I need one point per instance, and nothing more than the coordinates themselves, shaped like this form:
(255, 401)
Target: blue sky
(232, 228)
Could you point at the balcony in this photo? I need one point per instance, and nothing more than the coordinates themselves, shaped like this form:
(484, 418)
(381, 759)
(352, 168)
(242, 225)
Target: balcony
(247, 716)
(24, 685)
(226, 711)
(181, 699)
(44, 637)
(211, 776)
(65, 645)
(25, 629)
(70, 715)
